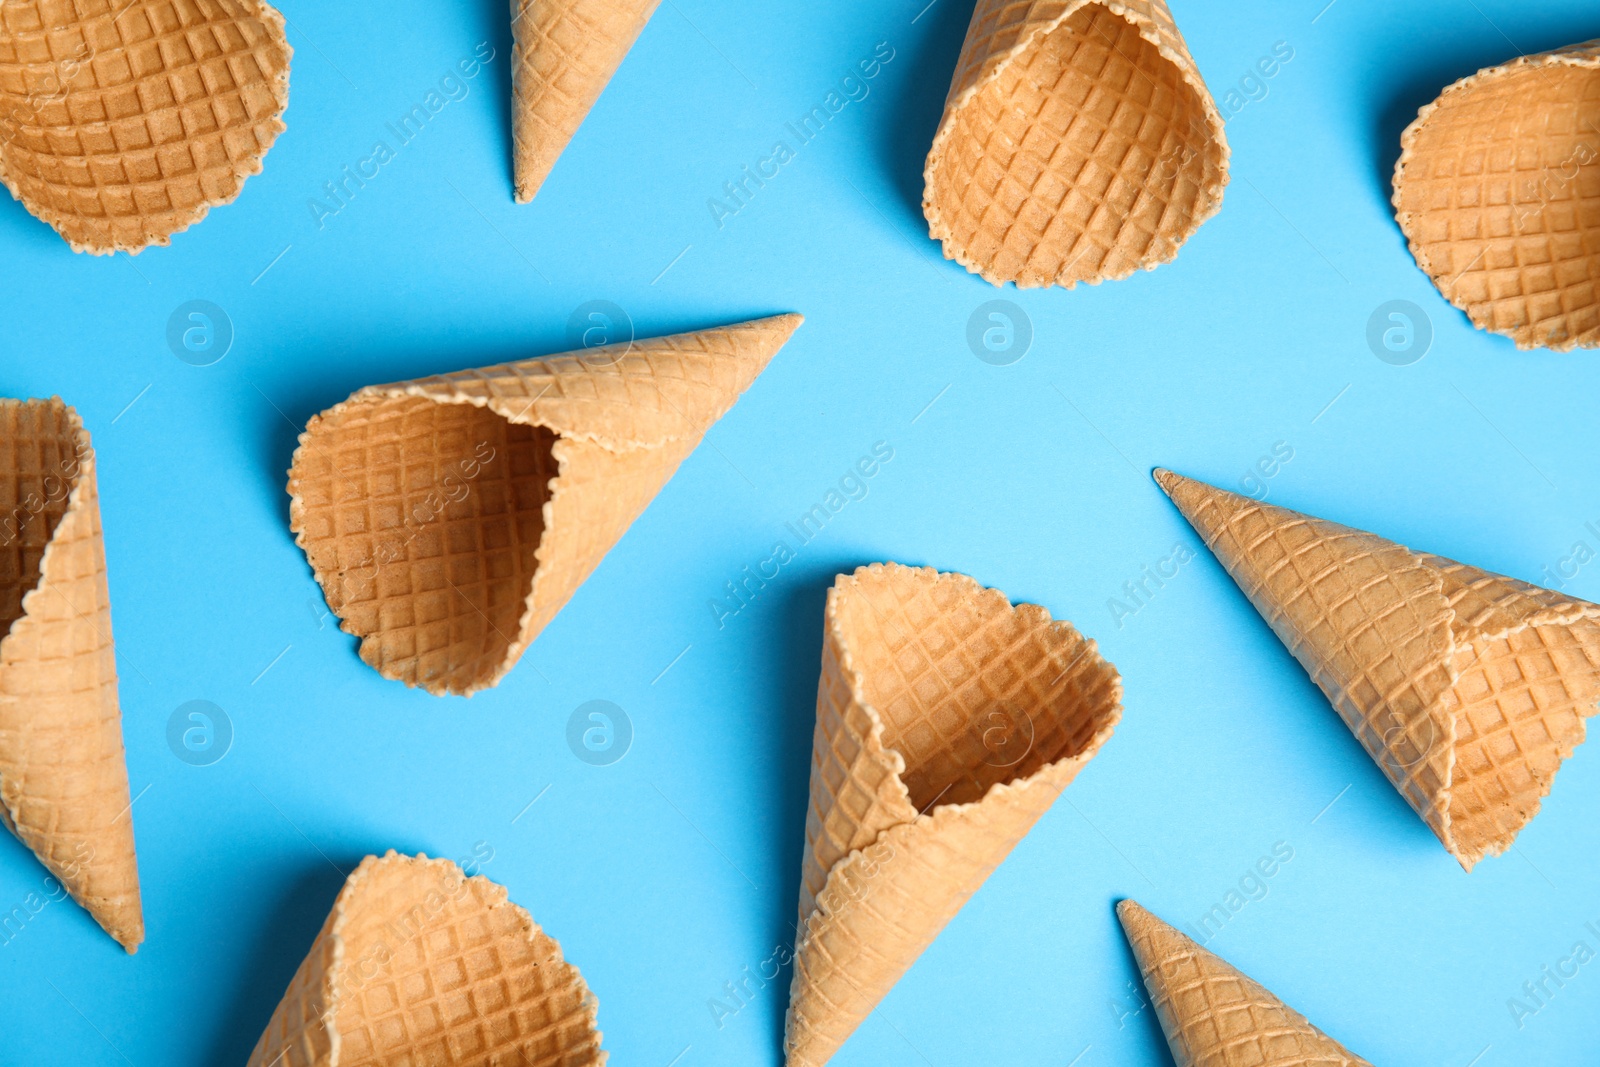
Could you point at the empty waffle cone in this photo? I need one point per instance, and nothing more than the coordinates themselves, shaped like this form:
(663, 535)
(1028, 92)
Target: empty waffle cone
(63, 778)
(420, 964)
(565, 53)
(1078, 143)
(1498, 192)
(948, 721)
(1468, 688)
(448, 519)
(1213, 1015)
(123, 122)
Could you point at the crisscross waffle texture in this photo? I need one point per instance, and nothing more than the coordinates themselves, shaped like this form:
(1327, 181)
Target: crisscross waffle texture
(1468, 688)
(565, 54)
(1078, 143)
(63, 778)
(948, 721)
(1213, 1015)
(123, 122)
(419, 964)
(448, 519)
(1498, 192)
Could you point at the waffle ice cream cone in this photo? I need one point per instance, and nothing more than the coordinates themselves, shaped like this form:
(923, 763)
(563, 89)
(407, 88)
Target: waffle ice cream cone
(565, 53)
(419, 964)
(63, 778)
(1213, 1015)
(123, 122)
(1078, 143)
(448, 519)
(1498, 193)
(1468, 688)
(948, 721)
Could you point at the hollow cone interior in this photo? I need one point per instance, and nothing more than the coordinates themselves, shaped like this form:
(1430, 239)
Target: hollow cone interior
(448, 519)
(123, 122)
(948, 721)
(1078, 144)
(1498, 193)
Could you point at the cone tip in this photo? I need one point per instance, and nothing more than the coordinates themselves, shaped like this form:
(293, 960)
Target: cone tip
(790, 321)
(1164, 478)
(768, 328)
(1130, 911)
(773, 331)
(525, 176)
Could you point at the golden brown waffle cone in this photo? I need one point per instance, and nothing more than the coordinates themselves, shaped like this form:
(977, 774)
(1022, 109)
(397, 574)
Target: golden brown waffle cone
(565, 53)
(123, 122)
(419, 964)
(947, 723)
(1467, 687)
(1078, 143)
(1213, 1015)
(63, 779)
(448, 519)
(1498, 192)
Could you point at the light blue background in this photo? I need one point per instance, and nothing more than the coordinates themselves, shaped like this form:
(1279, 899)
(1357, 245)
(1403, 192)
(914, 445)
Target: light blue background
(666, 874)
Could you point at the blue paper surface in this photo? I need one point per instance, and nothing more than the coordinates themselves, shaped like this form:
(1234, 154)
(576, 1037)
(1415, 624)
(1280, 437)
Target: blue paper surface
(670, 872)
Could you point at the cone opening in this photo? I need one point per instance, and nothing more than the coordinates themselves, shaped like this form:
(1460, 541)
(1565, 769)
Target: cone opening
(422, 521)
(971, 691)
(437, 967)
(1089, 156)
(1518, 709)
(1498, 192)
(41, 460)
(210, 86)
